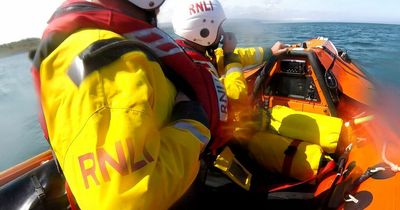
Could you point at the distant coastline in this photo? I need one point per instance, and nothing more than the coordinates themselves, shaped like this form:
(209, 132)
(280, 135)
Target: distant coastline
(24, 45)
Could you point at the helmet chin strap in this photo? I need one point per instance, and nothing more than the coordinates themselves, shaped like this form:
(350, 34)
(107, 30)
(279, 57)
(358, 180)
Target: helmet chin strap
(151, 17)
(211, 49)
(211, 52)
(213, 46)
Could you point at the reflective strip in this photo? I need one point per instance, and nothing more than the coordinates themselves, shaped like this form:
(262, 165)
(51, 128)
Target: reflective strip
(76, 71)
(234, 69)
(249, 67)
(192, 129)
(222, 99)
(165, 38)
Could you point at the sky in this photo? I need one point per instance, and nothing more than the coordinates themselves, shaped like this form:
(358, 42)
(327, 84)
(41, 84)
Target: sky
(24, 18)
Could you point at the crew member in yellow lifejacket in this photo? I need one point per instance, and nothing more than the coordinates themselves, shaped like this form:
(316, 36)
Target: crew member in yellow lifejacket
(126, 131)
(199, 23)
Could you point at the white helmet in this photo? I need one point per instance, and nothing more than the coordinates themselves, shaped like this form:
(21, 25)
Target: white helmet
(198, 20)
(147, 4)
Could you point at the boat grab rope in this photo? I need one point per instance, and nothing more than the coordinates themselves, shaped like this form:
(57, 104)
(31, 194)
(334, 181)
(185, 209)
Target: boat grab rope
(395, 168)
(366, 175)
(343, 160)
(370, 172)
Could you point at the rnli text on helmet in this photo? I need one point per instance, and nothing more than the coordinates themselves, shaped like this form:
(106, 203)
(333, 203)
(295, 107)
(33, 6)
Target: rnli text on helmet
(202, 6)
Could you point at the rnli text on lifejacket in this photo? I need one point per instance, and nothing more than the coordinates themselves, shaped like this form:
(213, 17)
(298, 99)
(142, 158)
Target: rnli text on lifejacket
(219, 89)
(200, 7)
(120, 166)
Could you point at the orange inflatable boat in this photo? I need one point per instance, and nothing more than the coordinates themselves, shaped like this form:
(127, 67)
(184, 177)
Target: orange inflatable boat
(316, 77)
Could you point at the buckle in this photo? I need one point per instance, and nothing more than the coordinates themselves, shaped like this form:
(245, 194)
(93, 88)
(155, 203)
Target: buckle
(230, 166)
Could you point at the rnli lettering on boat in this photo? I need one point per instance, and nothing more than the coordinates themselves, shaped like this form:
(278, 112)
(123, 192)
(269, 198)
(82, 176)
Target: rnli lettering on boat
(201, 6)
(91, 162)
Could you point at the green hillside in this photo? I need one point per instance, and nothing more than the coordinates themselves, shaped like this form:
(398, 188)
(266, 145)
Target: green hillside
(24, 45)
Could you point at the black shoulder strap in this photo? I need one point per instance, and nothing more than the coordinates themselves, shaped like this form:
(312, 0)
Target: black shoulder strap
(104, 52)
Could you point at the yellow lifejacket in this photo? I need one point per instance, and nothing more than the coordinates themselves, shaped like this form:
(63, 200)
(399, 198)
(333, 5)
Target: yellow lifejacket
(111, 130)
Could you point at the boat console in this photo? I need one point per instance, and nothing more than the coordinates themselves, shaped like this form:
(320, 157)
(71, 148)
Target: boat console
(293, 80)
(295, 67)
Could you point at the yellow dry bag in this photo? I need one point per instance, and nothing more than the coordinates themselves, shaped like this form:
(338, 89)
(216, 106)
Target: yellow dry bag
(279, 154)
(313, 128)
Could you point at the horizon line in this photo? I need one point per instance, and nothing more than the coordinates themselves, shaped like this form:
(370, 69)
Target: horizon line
(310, 21)
(264, 21)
